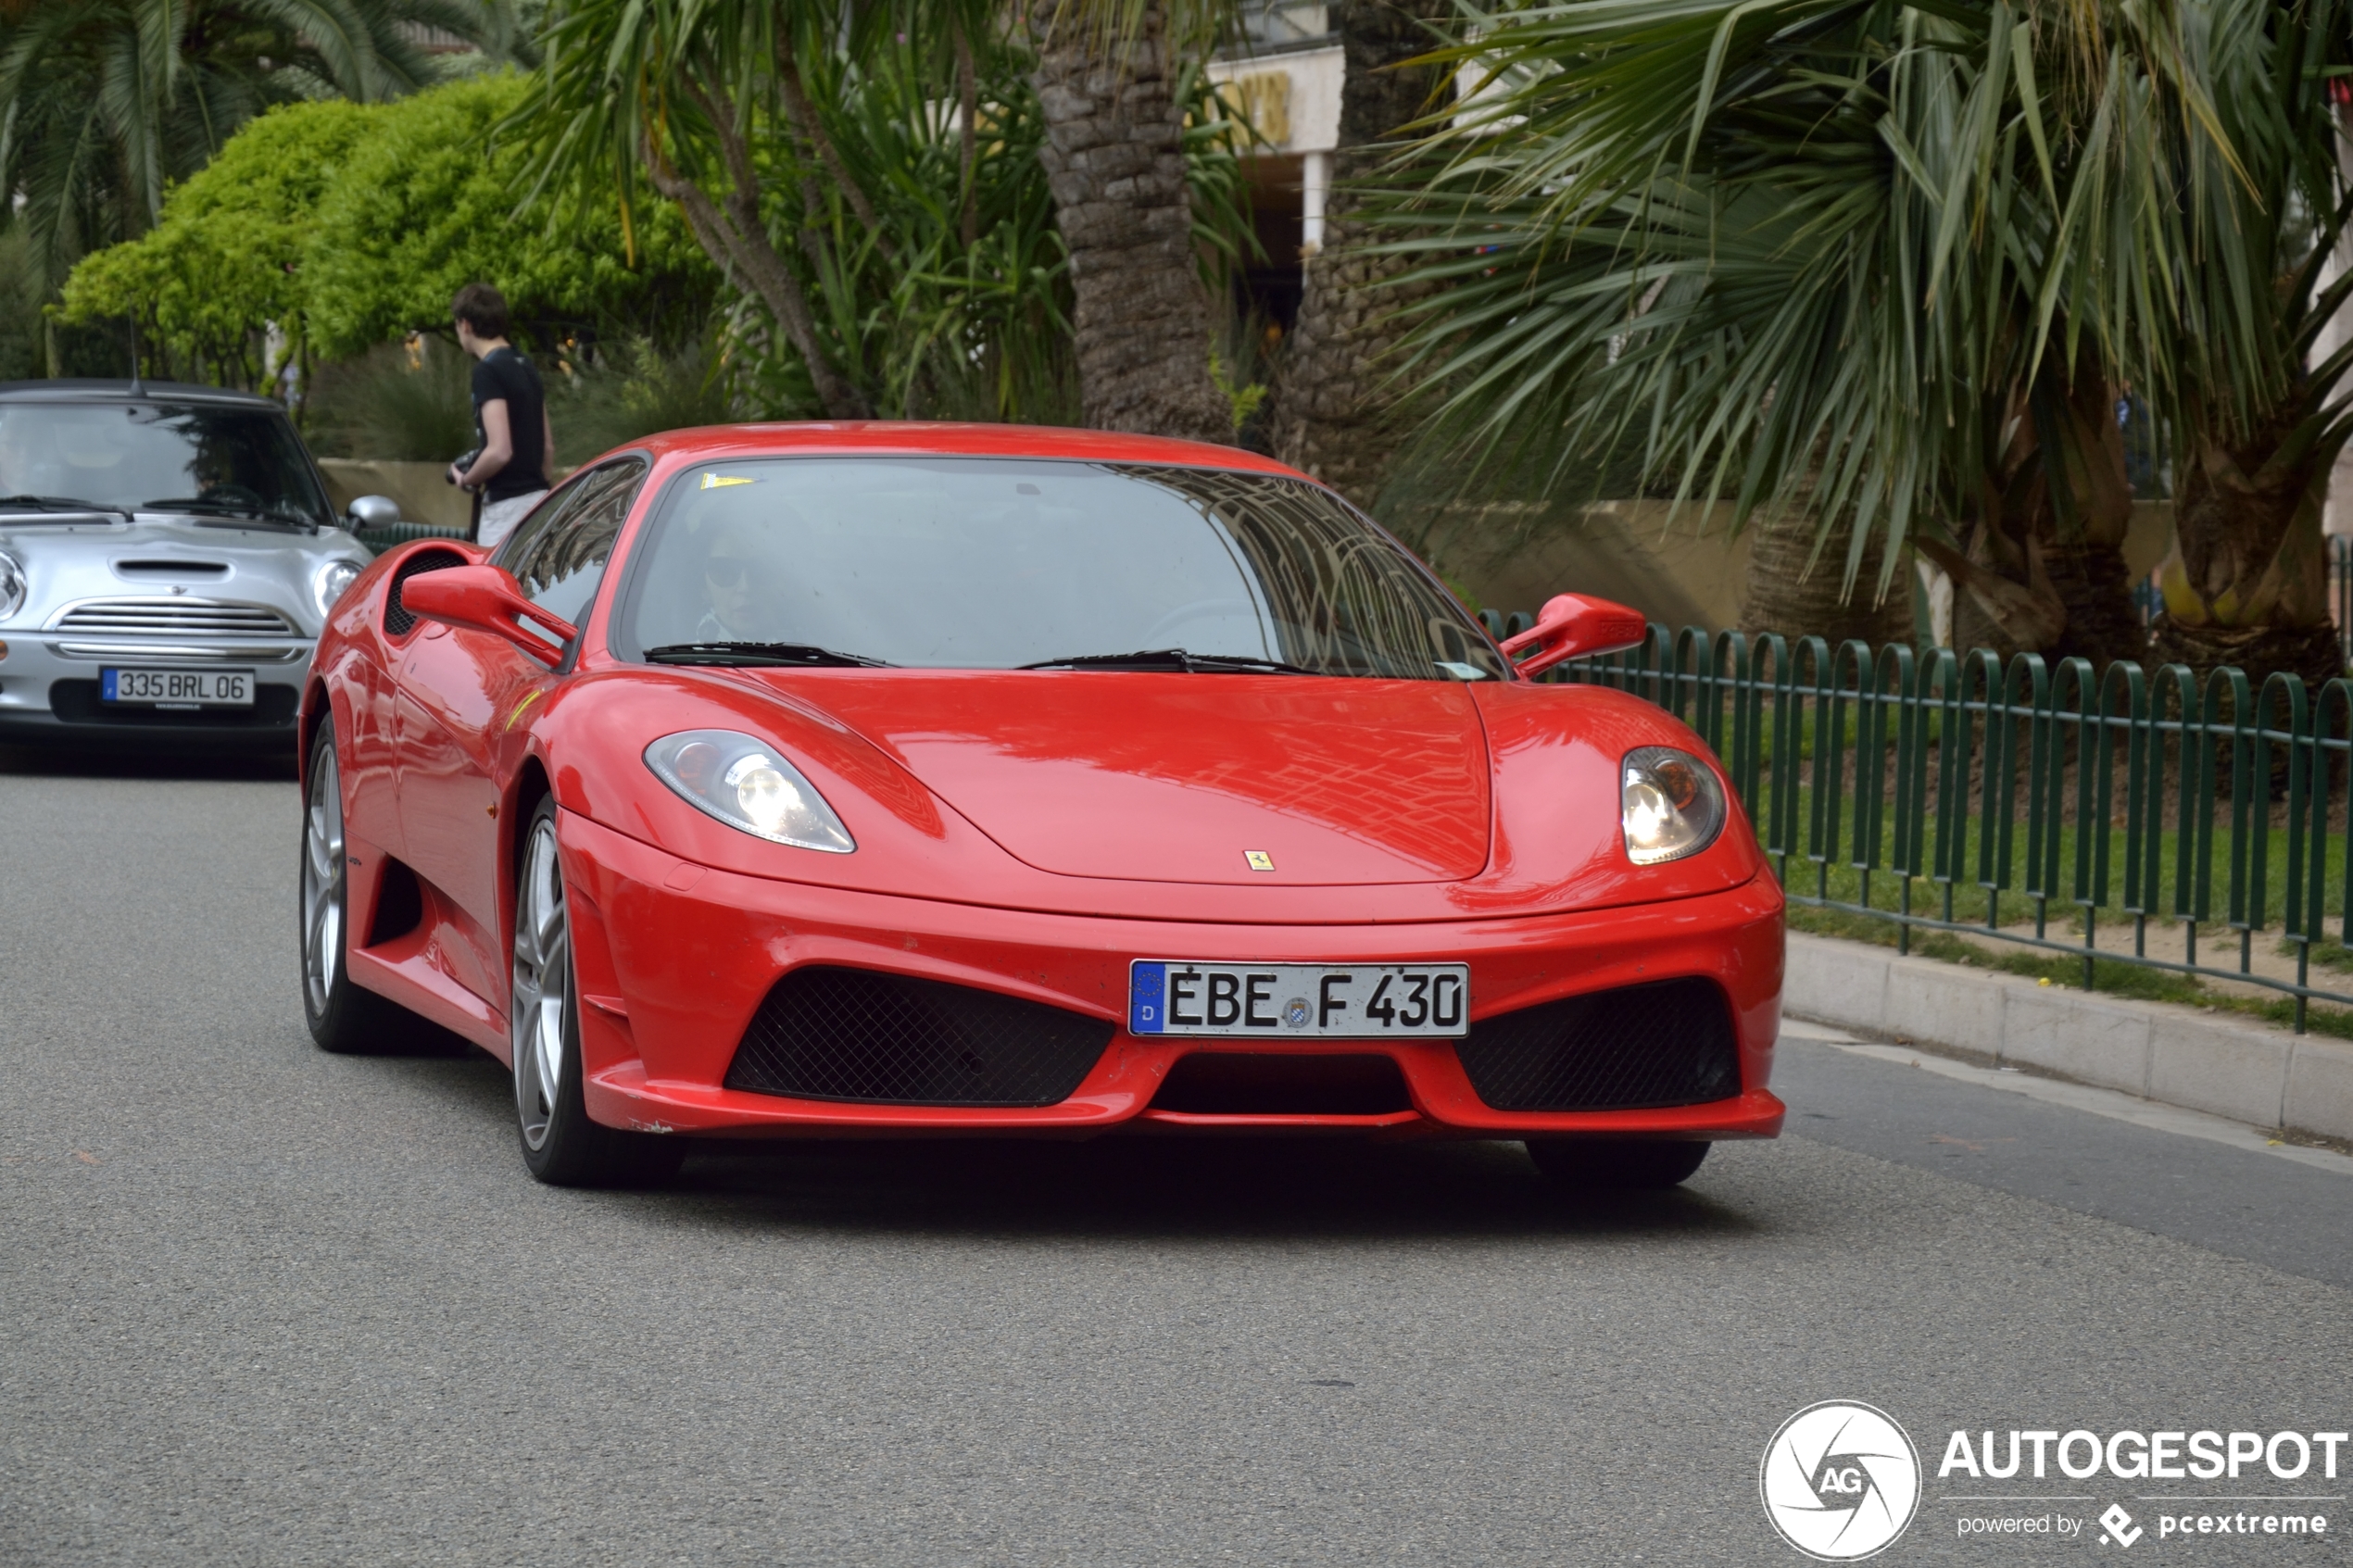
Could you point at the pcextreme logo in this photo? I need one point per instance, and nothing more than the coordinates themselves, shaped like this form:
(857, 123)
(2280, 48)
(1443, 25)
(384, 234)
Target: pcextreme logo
(1840, 1481)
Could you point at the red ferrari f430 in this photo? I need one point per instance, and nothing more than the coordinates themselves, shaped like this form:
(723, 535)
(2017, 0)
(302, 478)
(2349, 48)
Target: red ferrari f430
(893, 780)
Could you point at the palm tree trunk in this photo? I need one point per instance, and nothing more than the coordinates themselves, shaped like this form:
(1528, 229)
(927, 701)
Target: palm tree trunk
(2041, 569)
(2246, 584)
(1798, 591)
(1330, 411)
(1114, 158)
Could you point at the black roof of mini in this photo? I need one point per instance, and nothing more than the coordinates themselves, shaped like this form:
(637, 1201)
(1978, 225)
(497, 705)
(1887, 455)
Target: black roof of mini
(80, 389)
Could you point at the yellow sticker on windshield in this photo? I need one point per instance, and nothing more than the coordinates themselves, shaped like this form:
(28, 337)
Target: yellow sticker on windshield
(721, 481)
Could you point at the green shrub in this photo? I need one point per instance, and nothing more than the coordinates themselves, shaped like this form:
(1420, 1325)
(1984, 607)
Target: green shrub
(395, 405)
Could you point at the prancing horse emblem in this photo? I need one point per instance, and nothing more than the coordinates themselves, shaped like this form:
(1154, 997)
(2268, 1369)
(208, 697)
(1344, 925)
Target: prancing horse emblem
(1259, 860)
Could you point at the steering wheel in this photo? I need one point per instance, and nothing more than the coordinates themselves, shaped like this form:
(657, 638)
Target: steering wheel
(231, 495)
(1200, 609)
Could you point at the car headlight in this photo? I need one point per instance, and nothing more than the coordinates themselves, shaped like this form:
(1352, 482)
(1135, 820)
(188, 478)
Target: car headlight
(332, 579)
(740, 779)
(11, 585)
(1670, 805)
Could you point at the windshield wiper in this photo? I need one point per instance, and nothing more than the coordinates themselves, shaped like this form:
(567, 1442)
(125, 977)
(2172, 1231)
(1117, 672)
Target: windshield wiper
(1174, 658)
(241, 509)
(759, 655)
(62, 504)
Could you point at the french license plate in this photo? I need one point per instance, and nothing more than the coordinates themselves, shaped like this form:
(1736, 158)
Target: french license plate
(189, 688)
(1291, 1001)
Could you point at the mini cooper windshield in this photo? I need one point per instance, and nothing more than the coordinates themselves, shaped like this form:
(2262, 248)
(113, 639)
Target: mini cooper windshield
(1006, 564)
(213, 461)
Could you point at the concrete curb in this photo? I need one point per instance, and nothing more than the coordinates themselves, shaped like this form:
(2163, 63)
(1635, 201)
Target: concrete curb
(2173, 1055)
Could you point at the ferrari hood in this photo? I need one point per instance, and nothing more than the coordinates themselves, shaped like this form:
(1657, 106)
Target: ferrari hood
(1231, 779)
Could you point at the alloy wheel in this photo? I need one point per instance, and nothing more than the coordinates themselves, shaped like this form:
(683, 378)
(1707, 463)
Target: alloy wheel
(323, 887)
(542, 986)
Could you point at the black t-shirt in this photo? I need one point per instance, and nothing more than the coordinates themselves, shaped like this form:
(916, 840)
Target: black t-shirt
(504, 374)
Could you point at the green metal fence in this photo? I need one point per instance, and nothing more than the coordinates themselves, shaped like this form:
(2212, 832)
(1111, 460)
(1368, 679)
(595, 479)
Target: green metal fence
(2030, 803)
(381, 539)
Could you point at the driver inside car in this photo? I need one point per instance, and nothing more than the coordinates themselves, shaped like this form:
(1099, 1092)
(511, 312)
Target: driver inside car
(735, 580)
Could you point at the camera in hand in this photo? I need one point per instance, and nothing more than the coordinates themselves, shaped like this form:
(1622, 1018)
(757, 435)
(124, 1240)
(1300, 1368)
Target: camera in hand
(465, 461)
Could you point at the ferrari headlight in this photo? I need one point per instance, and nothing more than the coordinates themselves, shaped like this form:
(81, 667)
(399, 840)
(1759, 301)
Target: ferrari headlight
(742, 781)
(1670, 804)
(11, 585)
(332, 580)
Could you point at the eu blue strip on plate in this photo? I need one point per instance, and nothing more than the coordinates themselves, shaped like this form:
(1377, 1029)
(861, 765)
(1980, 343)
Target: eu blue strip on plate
(106, 694)
(1147, 983)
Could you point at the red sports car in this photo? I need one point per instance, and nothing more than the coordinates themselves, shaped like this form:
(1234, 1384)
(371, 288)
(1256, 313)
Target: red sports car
(899, 779)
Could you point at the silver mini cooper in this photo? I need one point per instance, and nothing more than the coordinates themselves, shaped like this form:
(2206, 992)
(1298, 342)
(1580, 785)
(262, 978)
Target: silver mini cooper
(167, 555)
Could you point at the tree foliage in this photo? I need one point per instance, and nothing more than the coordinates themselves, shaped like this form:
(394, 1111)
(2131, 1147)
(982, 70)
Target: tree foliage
(874, 193)
(425, 205)
(347, 225)
(107, 102)
(1894, 262)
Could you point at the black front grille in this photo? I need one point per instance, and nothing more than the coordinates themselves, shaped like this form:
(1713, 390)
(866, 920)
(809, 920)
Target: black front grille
(861, 1035)
(397, 620)
(1271, 1083)
(83, 702)
(1669, 1043)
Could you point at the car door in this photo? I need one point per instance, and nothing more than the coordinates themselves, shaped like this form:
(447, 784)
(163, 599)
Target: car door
(460, 691)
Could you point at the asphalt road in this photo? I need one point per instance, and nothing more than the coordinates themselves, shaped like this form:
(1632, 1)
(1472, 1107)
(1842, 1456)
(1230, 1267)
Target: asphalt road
(260, 1305)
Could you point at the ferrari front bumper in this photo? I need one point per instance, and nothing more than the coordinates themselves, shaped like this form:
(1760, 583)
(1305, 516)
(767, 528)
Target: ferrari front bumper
(673, 959)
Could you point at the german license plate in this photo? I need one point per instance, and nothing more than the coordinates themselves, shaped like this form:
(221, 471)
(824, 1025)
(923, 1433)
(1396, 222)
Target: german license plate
(177, 689)
(1289, 1000)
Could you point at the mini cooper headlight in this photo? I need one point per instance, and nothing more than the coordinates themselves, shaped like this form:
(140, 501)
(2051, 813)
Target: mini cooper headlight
(741, 780)
(332, 579)
(1670, 805)
(11, 585)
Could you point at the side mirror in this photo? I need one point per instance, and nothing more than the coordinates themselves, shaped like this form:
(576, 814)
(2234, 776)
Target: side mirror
(1572, 625)
(485, 598)
(373, 511)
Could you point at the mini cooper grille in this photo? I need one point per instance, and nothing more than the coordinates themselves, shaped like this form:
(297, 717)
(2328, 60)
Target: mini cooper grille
(177, 615)
(397, 620)
(1646, 1045)
(861, 1035)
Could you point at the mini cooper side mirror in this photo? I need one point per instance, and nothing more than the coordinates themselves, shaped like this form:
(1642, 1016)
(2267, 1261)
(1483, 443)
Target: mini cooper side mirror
(373, 511)
(485, 598)
(1572, 625)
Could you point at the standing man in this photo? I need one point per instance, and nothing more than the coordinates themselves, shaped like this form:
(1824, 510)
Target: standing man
(514, 444)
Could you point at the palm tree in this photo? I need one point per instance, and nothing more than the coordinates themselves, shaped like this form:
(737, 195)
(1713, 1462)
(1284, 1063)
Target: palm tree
(1106, 78)
(1893, 263)
(678, 93)
(103, 103)
(1331, 414)
(2247, 581)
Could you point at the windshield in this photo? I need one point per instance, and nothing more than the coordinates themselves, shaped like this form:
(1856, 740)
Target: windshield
(224, 462)
(998, 564)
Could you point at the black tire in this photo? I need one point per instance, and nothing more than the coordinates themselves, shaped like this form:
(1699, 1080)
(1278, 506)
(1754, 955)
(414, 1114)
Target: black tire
(1615, 1164)
(346, 1019)
(560, 1145)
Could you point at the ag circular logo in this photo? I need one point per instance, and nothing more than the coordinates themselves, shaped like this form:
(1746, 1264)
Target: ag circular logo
(1840, 1481)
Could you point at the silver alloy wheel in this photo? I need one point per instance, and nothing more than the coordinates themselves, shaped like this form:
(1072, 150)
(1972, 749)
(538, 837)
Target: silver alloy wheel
(323, 889)
(543, 985)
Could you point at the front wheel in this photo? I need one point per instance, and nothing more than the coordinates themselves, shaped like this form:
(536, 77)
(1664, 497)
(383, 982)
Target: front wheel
(1621, 1164)
(560, 1145)
(344, 1018)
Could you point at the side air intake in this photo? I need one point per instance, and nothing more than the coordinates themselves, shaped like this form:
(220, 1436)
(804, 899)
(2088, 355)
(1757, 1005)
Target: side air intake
(826, 1032)
(1639, 1047)
(399, 622)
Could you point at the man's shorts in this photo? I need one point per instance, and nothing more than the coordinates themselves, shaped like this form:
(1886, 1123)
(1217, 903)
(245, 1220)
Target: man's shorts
(499, 518)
